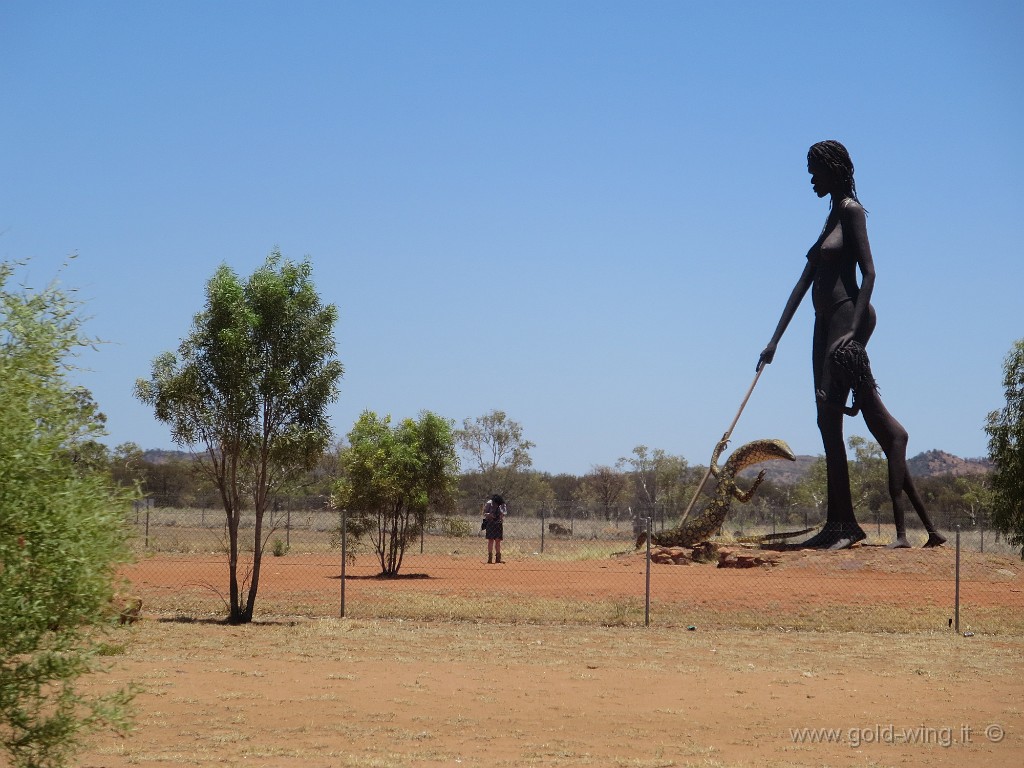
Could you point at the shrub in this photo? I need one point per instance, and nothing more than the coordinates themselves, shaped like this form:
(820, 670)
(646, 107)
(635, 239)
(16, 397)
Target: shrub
(62, 536)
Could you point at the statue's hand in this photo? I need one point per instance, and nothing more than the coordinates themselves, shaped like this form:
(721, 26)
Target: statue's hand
(766, 357)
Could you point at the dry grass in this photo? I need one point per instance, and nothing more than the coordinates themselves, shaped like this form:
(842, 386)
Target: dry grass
(625, 612)
(404, 694)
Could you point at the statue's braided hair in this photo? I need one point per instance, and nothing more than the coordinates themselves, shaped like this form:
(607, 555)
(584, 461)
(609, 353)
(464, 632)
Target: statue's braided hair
(834, 157)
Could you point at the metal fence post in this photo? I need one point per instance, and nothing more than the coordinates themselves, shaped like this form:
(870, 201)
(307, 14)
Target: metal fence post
(344, 559)
(647, 588)
(542, 531)
(956, 599)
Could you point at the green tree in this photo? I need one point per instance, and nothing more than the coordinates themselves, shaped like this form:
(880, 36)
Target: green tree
(974, 497)
(176, 482)
(565, 487)
(126, 465)
(251, 387)
(497, 453)
(660, 480)
(1005, 430)
(396, 480)
(62, 535)
(810, 489)
(869, 475)
(604, 488)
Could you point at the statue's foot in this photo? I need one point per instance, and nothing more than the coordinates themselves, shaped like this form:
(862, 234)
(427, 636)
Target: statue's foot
(935, 539)
(900, 543)
(835, 537)
(848, 539)
(817, 540)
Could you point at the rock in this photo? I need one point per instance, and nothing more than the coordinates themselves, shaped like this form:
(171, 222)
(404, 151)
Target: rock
(670, 556)
(746, 558)
(705, 552)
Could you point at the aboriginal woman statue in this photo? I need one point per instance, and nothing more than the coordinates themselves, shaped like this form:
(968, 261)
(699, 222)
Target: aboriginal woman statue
(843, 322)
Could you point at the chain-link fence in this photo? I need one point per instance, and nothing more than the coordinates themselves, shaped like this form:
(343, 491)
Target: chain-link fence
(572, 565)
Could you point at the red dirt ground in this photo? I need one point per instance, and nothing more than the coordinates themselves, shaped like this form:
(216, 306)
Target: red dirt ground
(389, 693)
(863, 576)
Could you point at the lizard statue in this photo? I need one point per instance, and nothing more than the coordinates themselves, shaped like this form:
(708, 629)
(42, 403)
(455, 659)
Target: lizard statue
(700, 528)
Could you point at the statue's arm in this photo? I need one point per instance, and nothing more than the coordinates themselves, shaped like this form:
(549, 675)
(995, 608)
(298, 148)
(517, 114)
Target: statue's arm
(799, 291)
(855, 233)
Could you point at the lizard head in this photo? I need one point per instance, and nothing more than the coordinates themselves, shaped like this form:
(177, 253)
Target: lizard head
(757, 451)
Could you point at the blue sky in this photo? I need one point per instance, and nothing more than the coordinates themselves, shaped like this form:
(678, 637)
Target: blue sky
(586, 214)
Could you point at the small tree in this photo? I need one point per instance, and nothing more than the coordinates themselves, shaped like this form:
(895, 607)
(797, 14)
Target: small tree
(395, 480)
(1005, 430)
(973, 495)
(62, 535)
(251, 387)
(811, 491)
(497, 452)
(869, 475)
(659, 478)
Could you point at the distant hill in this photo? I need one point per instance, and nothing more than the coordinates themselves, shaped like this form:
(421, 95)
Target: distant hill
(928, 464)
(932, 463)
(783, 472)
(161, 456)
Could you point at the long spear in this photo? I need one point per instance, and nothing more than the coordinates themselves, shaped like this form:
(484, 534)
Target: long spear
(726, 436)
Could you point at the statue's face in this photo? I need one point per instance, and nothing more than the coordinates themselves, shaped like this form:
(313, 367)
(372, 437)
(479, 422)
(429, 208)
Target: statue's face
(821, 179)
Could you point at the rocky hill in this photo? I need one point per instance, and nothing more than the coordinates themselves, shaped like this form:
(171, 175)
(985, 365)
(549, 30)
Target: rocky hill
(784, 472)
(931, 463)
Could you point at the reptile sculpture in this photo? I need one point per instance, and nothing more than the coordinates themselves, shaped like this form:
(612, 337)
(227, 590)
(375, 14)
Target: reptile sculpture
(700, 528)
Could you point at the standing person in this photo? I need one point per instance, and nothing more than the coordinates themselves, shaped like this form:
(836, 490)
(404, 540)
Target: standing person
(493, 526)
(843, 322)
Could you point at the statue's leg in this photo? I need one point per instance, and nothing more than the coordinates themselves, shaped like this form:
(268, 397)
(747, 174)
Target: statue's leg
(841, 529)
(893, 439)
(935, 539)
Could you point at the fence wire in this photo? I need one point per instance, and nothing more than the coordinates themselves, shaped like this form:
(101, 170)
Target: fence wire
(577, 566)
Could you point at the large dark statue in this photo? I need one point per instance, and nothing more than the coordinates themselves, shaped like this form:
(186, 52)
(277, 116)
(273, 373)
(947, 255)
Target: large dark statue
(843, 322)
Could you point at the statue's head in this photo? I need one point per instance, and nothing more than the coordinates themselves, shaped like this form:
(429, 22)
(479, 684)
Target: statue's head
(831, 160)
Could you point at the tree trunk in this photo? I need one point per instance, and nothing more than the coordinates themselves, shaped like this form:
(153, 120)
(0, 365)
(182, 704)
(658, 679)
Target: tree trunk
(257, 559)
(234, 607)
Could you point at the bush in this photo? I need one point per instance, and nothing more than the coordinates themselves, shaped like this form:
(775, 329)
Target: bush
(456, 527)
(62, 537)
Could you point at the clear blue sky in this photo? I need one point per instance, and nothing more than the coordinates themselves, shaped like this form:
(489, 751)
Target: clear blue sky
(586, 214)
